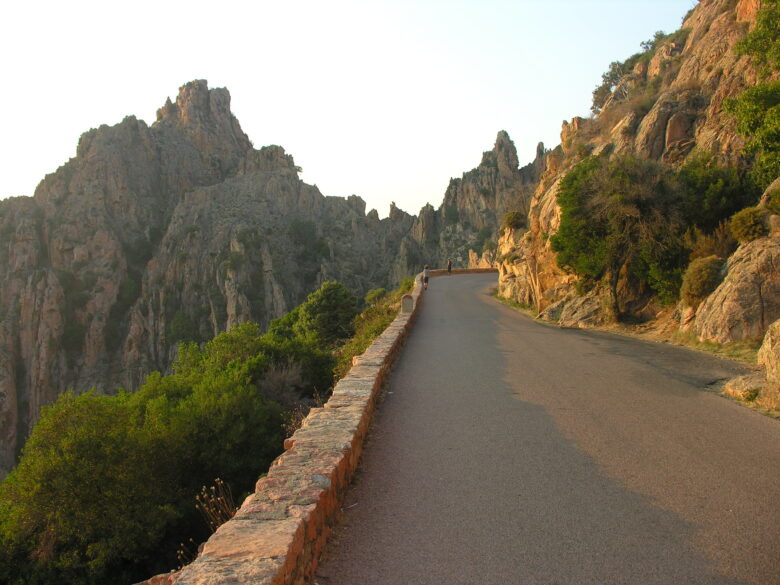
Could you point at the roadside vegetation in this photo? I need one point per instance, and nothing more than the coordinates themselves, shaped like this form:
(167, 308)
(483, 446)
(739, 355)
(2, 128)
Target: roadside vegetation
(642, 222)
(109, 487)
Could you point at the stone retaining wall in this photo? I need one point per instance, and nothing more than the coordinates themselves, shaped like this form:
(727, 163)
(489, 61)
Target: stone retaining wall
(277, 535)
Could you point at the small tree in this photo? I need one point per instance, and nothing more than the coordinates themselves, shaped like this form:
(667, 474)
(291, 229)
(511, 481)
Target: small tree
(615, 213)
(327, 314)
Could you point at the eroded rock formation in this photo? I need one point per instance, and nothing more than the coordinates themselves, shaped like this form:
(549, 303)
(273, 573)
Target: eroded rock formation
(678, 111)
(154, 234)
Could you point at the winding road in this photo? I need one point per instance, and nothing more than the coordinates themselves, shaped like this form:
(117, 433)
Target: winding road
(509, 452)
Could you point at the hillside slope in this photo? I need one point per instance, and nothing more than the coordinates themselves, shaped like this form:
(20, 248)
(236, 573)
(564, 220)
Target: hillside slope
(668, 106)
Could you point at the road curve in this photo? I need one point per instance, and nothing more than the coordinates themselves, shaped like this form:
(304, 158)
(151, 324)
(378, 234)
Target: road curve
(508, 452)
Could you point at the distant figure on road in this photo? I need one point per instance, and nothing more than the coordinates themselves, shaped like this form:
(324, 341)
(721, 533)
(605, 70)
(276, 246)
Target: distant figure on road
(449, 266)
(426, 274)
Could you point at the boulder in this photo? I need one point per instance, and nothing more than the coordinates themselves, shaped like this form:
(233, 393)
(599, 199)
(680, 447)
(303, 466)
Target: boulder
(748, 299)
(585, 311)
(552, 312)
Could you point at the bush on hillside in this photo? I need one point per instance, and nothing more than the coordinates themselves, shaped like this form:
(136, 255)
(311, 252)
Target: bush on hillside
(106, 486)
(324, 318)
(514, 220)
(749, 224)
(616, 213)
(757, 109)
(701, 278)
(617, 69)
(712, 192)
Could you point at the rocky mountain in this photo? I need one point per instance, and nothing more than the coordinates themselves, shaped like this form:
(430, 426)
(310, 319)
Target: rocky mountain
(156, 234)
(177, 231)
(473, 208)
(668, 107)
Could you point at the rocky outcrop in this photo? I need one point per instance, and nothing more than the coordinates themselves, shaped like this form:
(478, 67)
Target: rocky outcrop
(155, 234)
(474, 207)
(583, 311)
(665, 108)
(761, 388)
(748, 299)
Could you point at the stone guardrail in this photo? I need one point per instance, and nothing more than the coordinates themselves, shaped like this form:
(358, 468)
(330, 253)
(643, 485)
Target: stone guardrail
(278, 533)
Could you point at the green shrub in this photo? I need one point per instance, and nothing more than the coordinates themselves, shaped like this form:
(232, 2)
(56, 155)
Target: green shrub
(369, 325)
(701, 278)
(407, 284)
(749, 224)
(106, 486)
(617, 69)
(712, 193)
(483, 241)
(84, 496)
(324, 318)
(757, 111)
(181, 328)
(311, 247)
(763, 42)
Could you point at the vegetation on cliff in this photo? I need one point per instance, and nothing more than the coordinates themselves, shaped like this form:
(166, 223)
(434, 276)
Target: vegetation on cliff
(638, 219)
(105, 489)
(757, 109)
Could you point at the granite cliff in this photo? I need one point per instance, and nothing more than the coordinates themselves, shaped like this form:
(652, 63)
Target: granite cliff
(155, 234)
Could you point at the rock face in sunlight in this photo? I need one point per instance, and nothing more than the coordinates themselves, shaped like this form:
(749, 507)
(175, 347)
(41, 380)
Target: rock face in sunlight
(471, 215)
(668, 108)
(156, 234)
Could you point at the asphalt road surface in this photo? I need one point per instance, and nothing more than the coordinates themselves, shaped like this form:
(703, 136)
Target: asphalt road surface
(508, 452)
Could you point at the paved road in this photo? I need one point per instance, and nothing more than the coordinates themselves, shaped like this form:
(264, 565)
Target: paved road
(507, 452)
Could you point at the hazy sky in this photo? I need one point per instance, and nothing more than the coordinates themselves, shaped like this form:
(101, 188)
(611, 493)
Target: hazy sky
(384, 99)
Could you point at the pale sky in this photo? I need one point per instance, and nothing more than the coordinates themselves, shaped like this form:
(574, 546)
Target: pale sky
(386, 99)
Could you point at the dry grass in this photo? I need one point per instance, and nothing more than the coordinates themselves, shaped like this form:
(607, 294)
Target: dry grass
(743, 351)
(216, 504)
